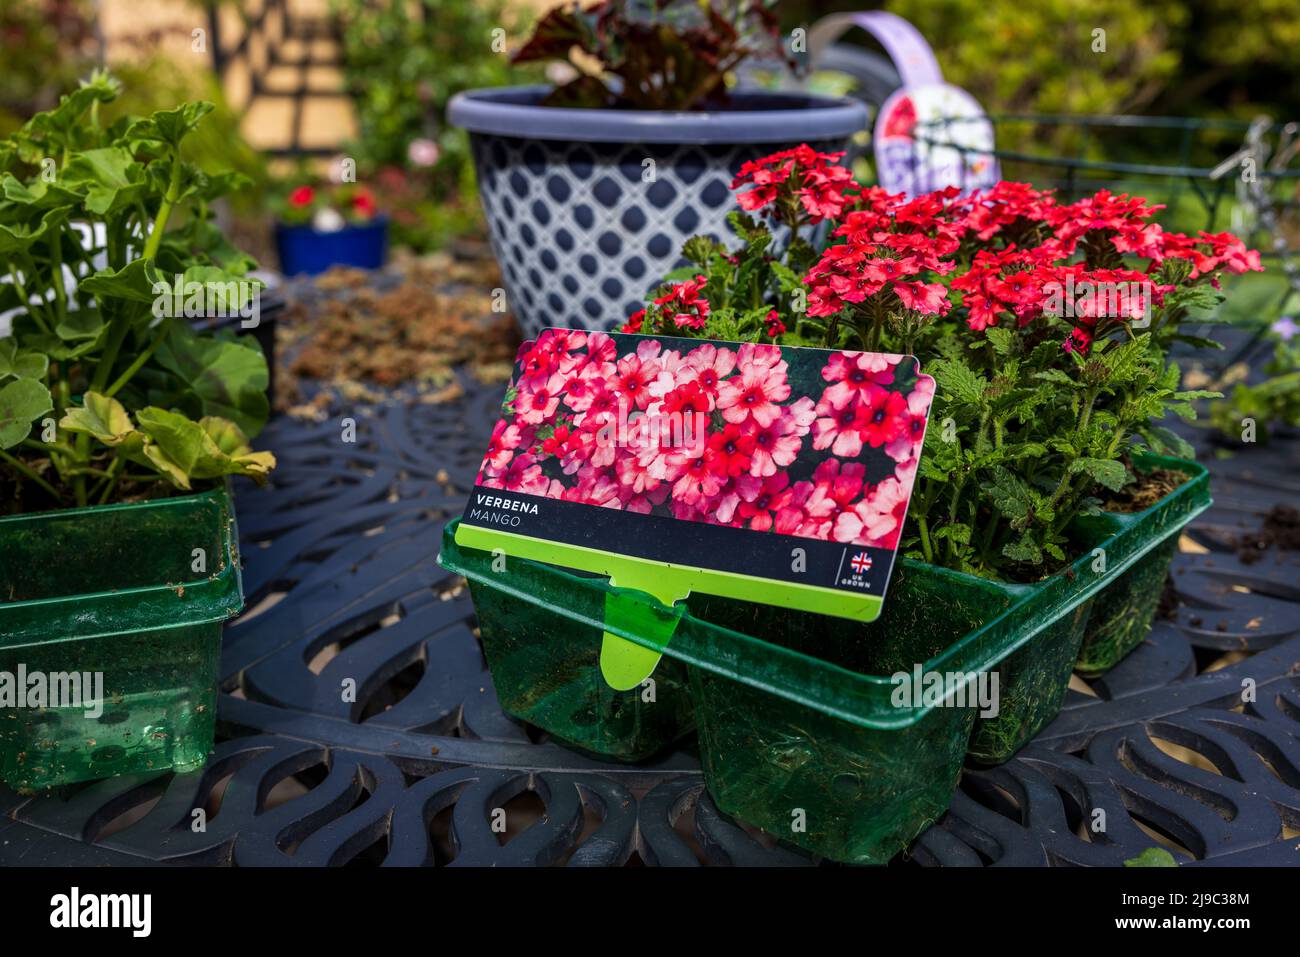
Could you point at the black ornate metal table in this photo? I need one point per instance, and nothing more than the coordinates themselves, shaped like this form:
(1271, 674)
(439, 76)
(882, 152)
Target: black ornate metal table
(342, 584)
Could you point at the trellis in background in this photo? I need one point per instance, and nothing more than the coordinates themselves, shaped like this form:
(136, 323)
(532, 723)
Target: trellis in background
(280, 62)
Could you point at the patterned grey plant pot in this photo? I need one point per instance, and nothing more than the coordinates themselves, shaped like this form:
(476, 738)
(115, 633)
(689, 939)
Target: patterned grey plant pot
(580, 228)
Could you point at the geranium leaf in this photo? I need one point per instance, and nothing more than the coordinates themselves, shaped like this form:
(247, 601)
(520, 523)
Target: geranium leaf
(39, 193)
(21, 237)
(22, 402)
(170, 126)
(110, 177)
(101, 416)
(165, 465)
(133, 282)
(233, 443)
(183, 442)
(80, 324)
(226, 378)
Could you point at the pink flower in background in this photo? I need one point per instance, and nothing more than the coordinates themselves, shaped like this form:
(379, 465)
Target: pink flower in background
(537, 404)
(840, 429)
(777, 445)
(837, 482)
(908, 443)
(506, 437)
(885, 412)
(634, 379)
(760, 355)
(730, 451)
(711, 366)
(523, 474)
(423, 153)
(928, 298)
(696, 482)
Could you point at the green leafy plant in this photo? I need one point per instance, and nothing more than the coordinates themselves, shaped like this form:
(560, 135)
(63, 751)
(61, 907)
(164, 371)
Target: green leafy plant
(653, 54)
(1046, 327)
(1274, 401)
(106, 238)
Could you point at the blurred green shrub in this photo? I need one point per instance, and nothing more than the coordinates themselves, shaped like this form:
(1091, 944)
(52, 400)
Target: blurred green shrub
(47, 45)
(403, 62)
(1171, 57)
(1275, 400)
(1040, 58)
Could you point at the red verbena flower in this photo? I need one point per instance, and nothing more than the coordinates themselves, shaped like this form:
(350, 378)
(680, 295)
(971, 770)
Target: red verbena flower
(775, 327)
(815, 180)
(684, 304)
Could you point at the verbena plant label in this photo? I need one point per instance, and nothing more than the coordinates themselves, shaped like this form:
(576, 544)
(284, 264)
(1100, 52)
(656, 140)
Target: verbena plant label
(771, 473)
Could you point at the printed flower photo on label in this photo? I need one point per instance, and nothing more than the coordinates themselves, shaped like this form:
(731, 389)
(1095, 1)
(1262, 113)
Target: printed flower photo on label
(809, 442)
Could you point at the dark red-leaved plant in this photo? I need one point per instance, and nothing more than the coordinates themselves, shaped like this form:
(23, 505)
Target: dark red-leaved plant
(654, 54)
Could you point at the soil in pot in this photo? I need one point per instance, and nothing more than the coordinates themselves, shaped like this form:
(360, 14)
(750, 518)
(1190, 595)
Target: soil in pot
(1149, 488)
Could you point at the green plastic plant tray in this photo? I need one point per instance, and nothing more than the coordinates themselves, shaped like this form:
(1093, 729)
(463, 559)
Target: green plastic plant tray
(1092, 614)
(545, 661)
(800, 732)
(131, 600)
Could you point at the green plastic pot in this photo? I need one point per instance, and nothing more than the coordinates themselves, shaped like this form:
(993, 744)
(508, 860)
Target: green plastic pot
(801, 732)
(544, 658)
(131, 599)
(1091, 615)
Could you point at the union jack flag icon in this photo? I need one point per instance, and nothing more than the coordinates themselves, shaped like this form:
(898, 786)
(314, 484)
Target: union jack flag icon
(860, 563)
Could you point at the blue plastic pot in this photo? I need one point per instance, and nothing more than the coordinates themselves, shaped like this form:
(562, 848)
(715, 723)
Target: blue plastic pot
(303, 249)
(588, 208)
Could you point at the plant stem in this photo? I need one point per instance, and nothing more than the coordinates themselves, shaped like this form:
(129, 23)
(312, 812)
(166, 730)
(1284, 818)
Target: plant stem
(110, 482)
(163, 328)
(164, 211)
(36, 314)
(994, 521)
(60, 291)
(29, 473)
(44, 447)
(925, 538)
(116, 334)
(1085, 415)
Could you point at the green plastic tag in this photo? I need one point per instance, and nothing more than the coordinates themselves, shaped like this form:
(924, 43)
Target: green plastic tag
(625, 664)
